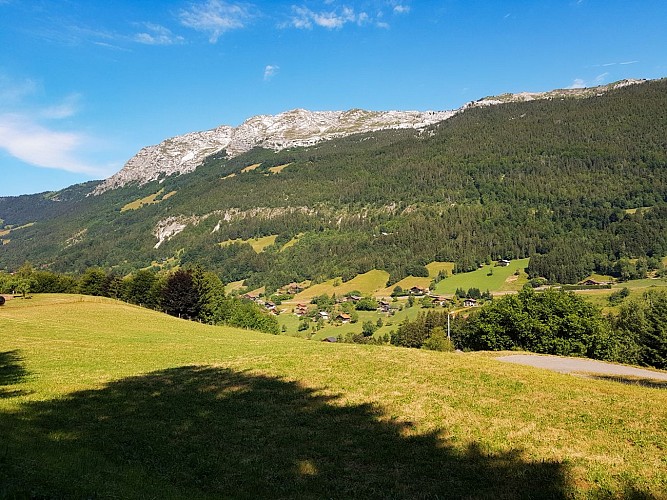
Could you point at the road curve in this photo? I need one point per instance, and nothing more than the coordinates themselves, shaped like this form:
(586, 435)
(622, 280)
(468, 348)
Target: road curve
(582, 366)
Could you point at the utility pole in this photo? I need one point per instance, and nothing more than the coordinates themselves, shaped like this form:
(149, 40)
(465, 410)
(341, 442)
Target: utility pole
(449, 337)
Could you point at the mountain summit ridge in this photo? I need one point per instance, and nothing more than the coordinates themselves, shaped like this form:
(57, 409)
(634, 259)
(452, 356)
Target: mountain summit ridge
(298, 127)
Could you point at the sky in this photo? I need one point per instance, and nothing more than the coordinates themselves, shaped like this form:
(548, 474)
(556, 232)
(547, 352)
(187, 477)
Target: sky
(85, 84)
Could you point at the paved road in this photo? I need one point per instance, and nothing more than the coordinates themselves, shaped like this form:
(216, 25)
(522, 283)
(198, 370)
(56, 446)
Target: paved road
(582, 365)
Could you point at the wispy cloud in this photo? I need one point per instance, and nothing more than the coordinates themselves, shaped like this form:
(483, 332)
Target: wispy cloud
(37, 145)
(215, 17)
(156, 34)
(305, 18)
(578, 83)
(270, 71)
(12, 91)
(32, 134)
(68, 107)
(334, 16)
(600, 79)
(606, 65)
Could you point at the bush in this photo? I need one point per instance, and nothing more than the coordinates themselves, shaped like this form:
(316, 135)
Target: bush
(438, 341)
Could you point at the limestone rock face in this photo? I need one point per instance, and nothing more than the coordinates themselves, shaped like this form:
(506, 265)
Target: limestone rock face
(299, 127)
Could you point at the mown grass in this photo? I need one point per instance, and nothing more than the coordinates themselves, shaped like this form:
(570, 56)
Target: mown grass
(151, 199)
(488, 277)
(105, 400)
(257, 244)
(600, 297)
(366, 283)
(291, 242)
(250, 168)
(279, 168)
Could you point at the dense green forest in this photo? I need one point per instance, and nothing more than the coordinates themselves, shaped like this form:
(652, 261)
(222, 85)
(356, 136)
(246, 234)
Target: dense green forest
(578, 185)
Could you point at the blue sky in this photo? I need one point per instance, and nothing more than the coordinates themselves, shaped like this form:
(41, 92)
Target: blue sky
(84, 84)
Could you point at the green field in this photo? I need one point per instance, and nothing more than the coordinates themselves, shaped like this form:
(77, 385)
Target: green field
(366, 283)
(151, 199)
(99, 399)
(501, 279)
(332, 329)
(600, 297)
(257, 244)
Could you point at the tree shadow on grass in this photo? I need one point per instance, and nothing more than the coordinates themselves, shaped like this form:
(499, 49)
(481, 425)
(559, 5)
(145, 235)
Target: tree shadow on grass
(205, 432)
(12, 372)
(644, 382)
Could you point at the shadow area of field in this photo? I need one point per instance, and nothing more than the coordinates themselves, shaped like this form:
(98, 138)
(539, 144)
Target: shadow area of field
(12, 372)
(198, 432)
(644, 382)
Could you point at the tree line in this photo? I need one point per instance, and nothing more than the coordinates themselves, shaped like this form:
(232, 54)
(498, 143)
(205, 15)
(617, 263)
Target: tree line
(189, 293)
(553, 322)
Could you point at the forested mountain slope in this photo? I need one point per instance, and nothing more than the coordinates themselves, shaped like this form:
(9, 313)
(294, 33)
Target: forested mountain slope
(557, 180)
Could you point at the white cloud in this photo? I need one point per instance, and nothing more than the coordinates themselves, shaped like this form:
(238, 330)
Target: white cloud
(401, 9)
(31, 133)
(270, 71)
(578, 83)
(12, 91)
(37, 145)
(628, 62)
(65, 109)
(599, 80)
(305, 18)
(157, 35)
(215, 17)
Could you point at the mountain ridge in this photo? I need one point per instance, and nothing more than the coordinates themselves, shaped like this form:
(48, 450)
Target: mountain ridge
(182, 154)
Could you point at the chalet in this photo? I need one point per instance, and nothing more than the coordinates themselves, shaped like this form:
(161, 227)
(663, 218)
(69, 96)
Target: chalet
(343, 318)
(270, 306)
(503, 263)
(251, 296)
(470, 303)
(592, 282)
(354, 298)
(293, 288)
(441, 300)
(418, 290)
(330, 339)
(324, 315)
(384, 306)
(301, 310)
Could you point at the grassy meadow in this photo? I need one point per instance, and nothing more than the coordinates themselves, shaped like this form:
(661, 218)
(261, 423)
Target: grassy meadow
(257, 244)
(100, 399)
(488, 277)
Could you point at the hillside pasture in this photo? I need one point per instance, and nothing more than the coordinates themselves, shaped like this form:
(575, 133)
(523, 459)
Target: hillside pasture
(291, 242)
(250, 168)
(435, 267)
(279, 168)
(234, 285)
(488, 277)
(366, 283)
(257, 244)
(105, 400)
(151, 199)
